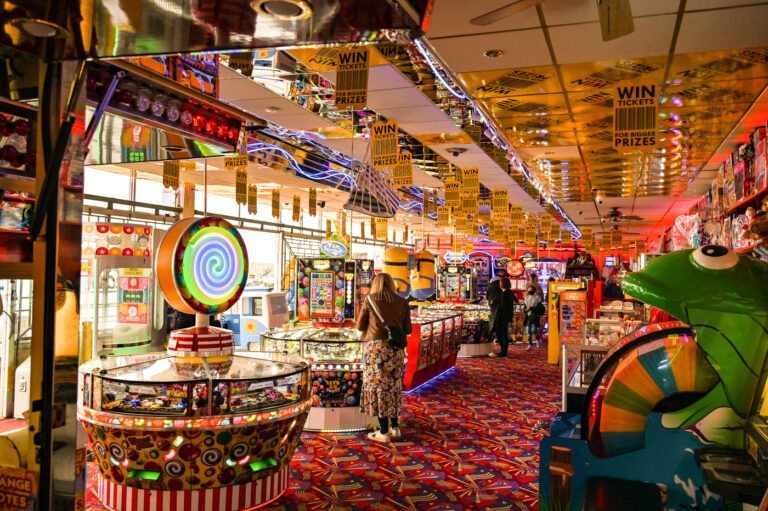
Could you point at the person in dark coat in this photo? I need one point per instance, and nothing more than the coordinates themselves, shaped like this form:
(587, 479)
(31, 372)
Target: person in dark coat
(504, 313)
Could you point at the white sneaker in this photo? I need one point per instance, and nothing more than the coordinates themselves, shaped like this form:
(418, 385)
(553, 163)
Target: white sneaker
(394, 433)
(378, 436)
(529, 347)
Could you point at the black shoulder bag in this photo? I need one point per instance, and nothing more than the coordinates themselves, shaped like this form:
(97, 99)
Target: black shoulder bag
(395, 335)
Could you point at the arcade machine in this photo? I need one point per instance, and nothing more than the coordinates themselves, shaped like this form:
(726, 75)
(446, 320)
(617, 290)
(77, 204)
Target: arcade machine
(457, 281)
(483, 264)
(197, 424)
(118, 280)
(545, 268)
(473, 335)
(677, 392)
(336, 358)
(432, 346)
(331, 290)
(257, 312)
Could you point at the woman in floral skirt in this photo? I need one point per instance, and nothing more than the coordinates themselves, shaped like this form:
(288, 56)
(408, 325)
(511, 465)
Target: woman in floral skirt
(382, 394)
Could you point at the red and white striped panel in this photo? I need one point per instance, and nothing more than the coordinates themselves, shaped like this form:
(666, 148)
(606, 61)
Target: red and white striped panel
(241, 497)
(200, 340)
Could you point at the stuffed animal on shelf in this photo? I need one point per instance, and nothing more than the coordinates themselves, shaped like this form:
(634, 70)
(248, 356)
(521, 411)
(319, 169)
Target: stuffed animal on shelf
(758, 226)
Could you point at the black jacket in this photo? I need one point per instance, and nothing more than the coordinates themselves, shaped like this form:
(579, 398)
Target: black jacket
(502, 306)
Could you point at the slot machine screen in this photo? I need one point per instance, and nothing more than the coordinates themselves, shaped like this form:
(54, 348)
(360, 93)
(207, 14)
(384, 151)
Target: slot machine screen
(321, 286)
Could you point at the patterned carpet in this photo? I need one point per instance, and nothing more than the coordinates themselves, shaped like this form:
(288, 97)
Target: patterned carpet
(468, 444)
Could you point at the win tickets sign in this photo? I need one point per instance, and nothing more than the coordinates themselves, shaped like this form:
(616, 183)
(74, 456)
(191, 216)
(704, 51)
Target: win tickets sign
(635, 116)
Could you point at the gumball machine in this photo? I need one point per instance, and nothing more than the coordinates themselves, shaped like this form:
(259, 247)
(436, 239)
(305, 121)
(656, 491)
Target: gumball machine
(197, 426)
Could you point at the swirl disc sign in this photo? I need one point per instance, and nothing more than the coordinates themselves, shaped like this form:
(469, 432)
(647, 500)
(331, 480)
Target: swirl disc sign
(208, 265)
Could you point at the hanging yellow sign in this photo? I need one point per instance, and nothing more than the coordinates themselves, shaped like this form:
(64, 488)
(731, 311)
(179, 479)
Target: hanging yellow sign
(403, 173)
(469, 204)
(444, 171)
(555, 233)
(296, 208)
(425, 202)
(456, 243)
(500, 201)
(241, 185)
(617, 238)
(513, 236)
(343, 222)
(635, 116)
(469, 246)
(233, 162)
(312, 201)
(373, 228)
(352, 78)
(362, 229)
(328, 228)
(640, 246)
(171, 174)
(516, 216)
(587, 236)
(500, 157)
(461, 224)
(384, 149)
(253, 200)
(530, 233)
(452, 193)
(405, 234)
(545, 223)
(275, 203)
(382, 229)
(625, 248)
(605, 241)
(443, 216)
(470, 181)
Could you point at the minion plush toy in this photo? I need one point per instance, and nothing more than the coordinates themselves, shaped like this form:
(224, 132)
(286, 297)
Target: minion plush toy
(423, 276)
(396, 264)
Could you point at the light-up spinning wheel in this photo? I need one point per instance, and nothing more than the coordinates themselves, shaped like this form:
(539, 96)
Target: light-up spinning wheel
(202, 268)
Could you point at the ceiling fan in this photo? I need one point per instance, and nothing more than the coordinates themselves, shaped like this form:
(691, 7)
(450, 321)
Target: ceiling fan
(615, 216)
(615, 16)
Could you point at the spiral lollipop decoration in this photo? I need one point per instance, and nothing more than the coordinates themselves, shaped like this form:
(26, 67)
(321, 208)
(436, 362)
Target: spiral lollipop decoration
(202, 265)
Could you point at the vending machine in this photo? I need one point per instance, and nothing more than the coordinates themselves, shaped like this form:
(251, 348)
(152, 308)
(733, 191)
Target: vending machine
(257, 312)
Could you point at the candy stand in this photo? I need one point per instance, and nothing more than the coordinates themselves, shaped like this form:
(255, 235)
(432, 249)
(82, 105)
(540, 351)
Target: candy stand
(336, 356)
(197, 427)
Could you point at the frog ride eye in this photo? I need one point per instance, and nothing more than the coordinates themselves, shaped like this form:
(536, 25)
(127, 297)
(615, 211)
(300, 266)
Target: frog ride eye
(715, 257)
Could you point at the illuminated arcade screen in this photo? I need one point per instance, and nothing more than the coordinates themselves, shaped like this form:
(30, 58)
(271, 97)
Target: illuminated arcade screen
(453, 285)
(321, 294)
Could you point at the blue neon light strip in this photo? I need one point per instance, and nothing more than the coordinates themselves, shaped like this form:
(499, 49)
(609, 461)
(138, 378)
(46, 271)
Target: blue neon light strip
(431, 380)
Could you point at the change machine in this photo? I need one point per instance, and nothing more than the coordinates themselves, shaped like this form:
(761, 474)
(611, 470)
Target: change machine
(330, 290)
(259, 311)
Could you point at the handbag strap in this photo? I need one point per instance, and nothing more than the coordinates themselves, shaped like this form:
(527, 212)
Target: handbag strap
(376, 311)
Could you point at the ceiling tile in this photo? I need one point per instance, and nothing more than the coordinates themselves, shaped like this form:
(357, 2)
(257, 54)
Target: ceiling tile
(584, 43)
(416, 128)
(413, 114)
(563, 12)
(522, 48)
(451, 18)
(742, 27)
(693, 5)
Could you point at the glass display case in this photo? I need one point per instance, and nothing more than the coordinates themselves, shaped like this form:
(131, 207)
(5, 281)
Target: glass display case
(152, 418)
(336, 356)
(475, 319)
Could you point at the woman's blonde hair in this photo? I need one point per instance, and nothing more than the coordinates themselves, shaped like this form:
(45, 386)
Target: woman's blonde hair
(384, 284)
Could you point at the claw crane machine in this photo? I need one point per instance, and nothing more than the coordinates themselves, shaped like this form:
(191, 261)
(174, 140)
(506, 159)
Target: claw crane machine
(120, 316)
